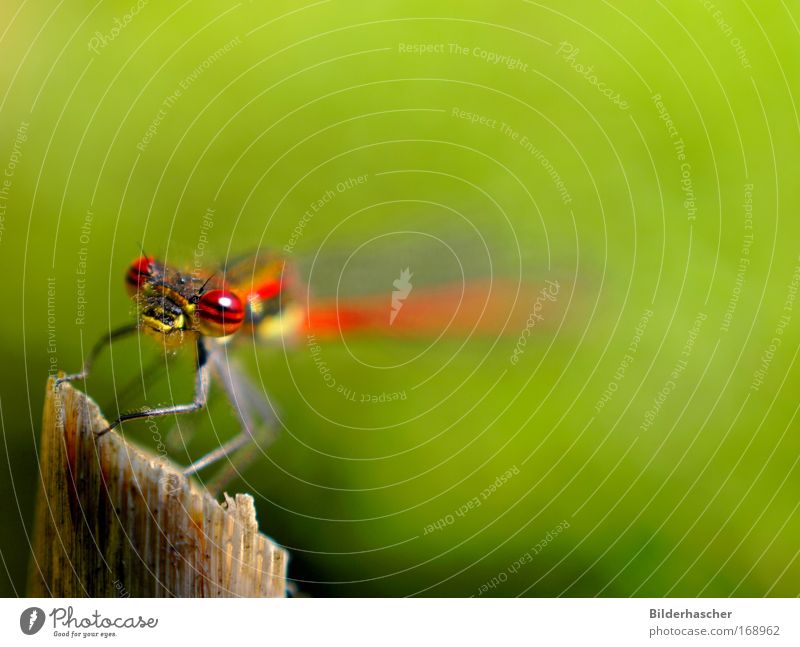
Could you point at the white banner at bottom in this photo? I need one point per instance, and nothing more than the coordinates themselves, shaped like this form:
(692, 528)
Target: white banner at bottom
(305, 621)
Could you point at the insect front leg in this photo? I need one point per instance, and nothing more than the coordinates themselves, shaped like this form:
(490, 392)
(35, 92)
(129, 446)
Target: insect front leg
(104, 341)
(247, 445)
(200, 395)
(256, 418)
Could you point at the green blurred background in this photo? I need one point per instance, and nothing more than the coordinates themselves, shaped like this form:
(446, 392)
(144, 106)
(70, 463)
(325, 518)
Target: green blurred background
(694, 492)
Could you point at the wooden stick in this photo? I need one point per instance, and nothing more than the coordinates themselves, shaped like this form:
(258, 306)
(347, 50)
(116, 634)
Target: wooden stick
(115, 520)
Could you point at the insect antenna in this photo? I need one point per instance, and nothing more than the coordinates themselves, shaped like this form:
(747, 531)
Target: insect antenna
(203, 287)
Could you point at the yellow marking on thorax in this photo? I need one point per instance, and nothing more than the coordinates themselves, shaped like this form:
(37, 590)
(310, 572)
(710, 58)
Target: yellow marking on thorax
(285, 324)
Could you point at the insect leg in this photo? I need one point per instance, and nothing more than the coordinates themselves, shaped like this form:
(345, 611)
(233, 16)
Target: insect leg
(100, 345)
(200, 395)
(254, 412)
(263, 435)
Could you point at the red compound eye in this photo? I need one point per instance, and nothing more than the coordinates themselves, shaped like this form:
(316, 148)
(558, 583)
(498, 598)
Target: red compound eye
(220, 313)
(139, 272)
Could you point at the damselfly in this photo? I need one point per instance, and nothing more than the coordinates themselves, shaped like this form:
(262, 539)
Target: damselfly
(208, 311)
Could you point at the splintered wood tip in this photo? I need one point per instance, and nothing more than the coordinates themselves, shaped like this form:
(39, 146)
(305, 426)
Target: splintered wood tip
(113, 520)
